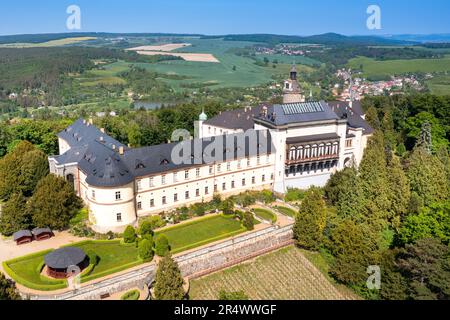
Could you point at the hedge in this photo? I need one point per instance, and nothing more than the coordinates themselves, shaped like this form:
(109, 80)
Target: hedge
(59, 284)
(131, 295)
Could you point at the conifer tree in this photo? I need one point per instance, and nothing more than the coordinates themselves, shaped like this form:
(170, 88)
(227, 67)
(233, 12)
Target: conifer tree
(374, 180)
(311, 220)
(14, 216)
(427, 177)
(399, 191)
(168, 280)
(8, 289)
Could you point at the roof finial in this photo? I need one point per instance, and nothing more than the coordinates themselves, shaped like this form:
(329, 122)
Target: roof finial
(203, 116)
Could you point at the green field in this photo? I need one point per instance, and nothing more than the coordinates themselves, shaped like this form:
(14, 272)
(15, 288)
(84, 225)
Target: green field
(221, 75)
(265, 214)
(108, 75)
(374, 69)
(53, 43)
(200, 232)
(439, 85)
(282, 275)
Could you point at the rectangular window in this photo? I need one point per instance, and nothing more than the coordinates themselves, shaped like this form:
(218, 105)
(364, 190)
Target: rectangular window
(258, 160)
(219, 167)
(206, 190)
(243, 182)
(197, 172)
(232, 184)
(186, 195)
(118, 195)
(271, 176)
(151, 184)
(224, 186)
(186, 174)
(163, 179)
(93, 194)
(139, 205)
(197, 193)
(152, 203)
(263, 178)
(175, 197)
(119, 217)
(348, 143)
(175, 177)
(138, 185)
(164, 200)
(211, 169)
(248, 162)
(228, 166)
(253, 180)
(215, 188)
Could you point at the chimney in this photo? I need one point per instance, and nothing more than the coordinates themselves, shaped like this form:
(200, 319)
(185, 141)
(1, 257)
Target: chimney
(102, 130)
(101, 138)
(121, 151)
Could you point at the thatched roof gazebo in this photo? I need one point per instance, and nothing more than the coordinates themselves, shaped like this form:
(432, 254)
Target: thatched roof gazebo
(59, 261)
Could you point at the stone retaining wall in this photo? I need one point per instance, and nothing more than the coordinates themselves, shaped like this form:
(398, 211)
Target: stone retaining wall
(193, 264)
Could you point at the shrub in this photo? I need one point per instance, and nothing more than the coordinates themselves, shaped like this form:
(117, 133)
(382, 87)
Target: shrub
(162, 245)
(145, 250)
(131, 295)
(294, 195)
(129, 236)
(248, 221)
(146, 228)
(237, 295)
(227, 206)
(154, 222)
(199, 209)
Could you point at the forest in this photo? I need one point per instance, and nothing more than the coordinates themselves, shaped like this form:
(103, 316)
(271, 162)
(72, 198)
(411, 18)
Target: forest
(393, 212)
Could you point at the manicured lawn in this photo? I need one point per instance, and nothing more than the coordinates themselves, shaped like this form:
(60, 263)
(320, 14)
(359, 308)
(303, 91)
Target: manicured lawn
(265, 214)
(286, 211)
(113, 257)
(200, 232)
(26, 272)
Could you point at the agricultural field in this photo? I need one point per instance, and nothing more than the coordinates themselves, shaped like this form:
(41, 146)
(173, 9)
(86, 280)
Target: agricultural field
(199, 232)
(282, 275)
(374, 69)
(53, 43)
(107, 75)
(232, 71)
(439, 85)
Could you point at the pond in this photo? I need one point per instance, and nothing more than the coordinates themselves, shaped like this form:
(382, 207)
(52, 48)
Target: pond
(152, 105)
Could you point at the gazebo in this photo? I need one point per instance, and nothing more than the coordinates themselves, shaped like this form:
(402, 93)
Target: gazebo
(59, 261)
(42, 233)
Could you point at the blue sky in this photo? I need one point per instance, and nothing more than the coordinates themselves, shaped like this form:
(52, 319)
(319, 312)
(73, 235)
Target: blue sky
(297, 17)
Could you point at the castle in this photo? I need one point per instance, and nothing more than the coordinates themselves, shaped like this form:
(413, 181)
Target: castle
(296, 144)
